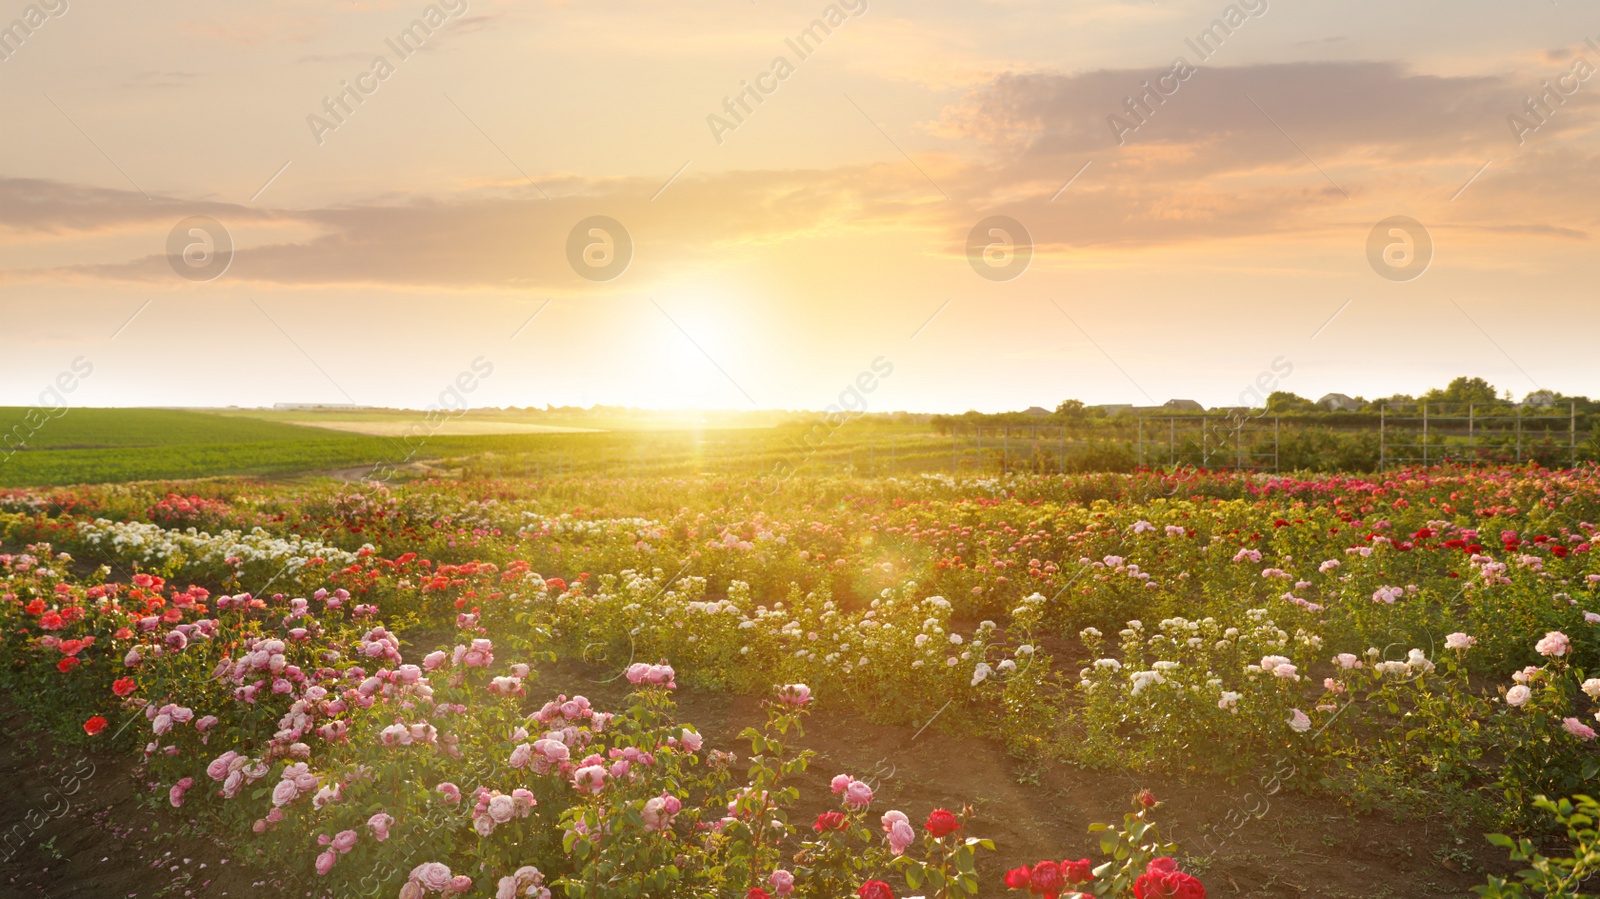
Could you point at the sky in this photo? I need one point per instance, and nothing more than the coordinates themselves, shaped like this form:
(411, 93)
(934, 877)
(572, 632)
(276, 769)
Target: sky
(1003, 203)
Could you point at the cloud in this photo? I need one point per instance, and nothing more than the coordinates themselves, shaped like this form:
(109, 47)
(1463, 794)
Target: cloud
(38, 206)
(1332, 104)
(1227, 157)
(319, 58)
(149, 79)
(513, 238)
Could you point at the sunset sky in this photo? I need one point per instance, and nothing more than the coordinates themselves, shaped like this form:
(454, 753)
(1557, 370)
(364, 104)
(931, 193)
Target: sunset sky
(776, 254)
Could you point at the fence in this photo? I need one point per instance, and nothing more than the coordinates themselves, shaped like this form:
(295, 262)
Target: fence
(1242, 440)
(1429, 433)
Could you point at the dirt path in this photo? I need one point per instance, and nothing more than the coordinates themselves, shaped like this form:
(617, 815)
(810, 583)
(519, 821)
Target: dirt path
(1298, 849)
(79, 824)
(360, 474)
(76, 825)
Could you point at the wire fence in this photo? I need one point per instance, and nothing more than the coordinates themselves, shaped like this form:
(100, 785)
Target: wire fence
(1400, 434)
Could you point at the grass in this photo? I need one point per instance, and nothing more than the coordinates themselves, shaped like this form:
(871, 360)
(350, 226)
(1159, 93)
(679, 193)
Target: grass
(100, 428)
(88, 446)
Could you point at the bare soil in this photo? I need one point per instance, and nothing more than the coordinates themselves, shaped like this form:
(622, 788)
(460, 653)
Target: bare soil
(80, 824)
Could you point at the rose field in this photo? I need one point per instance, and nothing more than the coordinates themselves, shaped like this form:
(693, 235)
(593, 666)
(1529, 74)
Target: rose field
(1150, 684)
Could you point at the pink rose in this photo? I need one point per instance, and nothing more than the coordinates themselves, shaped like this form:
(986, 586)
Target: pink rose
(782, 882)
(450, 792)
(325, 862)
(796, 695)
(524, 801)
(219, 767)
(344, 841)
(380, 824)
(521, 755)
(590, 778)
(284, 793)
(840, 782)
(858, 794)
(691, 740)
(1555, 643)
(1578, 728)
(501, 809)
(901, 834)
(433, 876)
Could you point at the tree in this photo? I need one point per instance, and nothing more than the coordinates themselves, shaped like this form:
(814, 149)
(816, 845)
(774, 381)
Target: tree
(1462, 390)
(1071, 410)
(1283, 401)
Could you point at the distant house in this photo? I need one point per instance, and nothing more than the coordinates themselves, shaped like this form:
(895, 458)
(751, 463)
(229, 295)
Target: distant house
(1039, 411)
(1338, 402)
(1183, 406)
(1540, 399)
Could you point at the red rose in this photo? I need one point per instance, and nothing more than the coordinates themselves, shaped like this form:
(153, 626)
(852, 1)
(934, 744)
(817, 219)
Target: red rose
(67, 664)
(757, 893)
(51, 621)
(36, 607)
(941, 823)
(1146, 799)
(1163, 880)
(1017, 878)
(1080, 871)
(1046, 880)
(556, 584)
(875, 889)
(830, 821)
(122, 686)
(94, 725)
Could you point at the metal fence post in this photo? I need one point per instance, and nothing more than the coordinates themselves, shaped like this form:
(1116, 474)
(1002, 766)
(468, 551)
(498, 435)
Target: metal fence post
(1383, 409)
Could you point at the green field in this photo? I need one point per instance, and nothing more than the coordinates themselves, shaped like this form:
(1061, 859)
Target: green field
(88, 429)
(88, 446)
